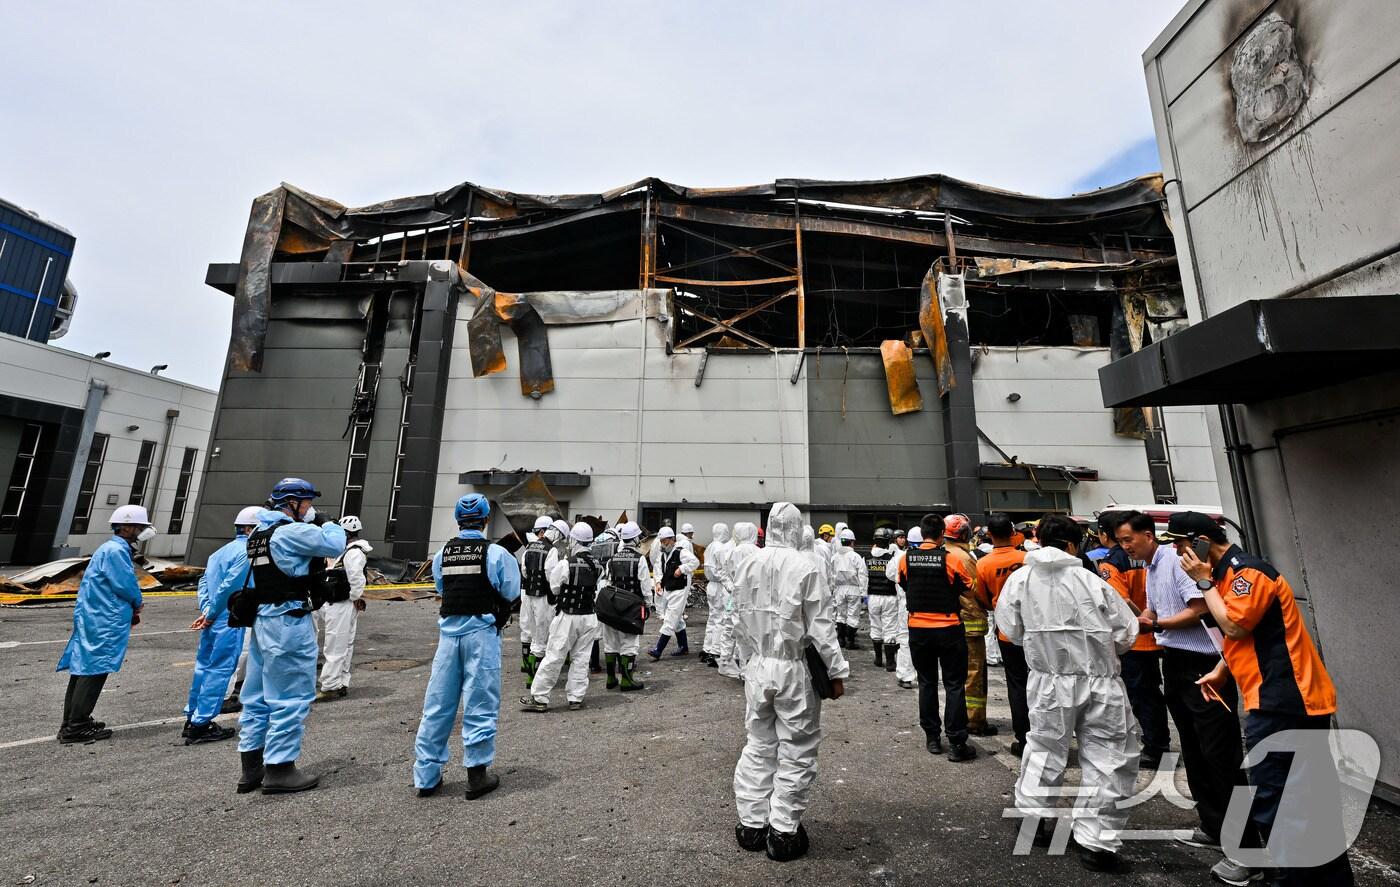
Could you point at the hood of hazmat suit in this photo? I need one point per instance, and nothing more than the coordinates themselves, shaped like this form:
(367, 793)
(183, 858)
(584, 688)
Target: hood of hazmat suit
(745, 544)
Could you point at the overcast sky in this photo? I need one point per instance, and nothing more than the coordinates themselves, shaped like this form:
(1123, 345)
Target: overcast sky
(147, 129)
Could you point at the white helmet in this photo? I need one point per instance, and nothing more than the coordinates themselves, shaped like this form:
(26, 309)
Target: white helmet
(130, 514)
(562, 528)
(666, 533)
(351, 524)
(630, 530)
(543, 522)
(248, 517)
(915, 536)
(687, 529)
(581, 532)
(847, 535)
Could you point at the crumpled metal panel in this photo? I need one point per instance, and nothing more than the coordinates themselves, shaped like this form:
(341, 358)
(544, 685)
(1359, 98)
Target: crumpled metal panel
(900, 377)
(525, 502)
(532, 341)
(935, 337)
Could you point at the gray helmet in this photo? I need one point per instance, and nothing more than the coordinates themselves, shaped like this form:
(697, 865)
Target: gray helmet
(883, 535)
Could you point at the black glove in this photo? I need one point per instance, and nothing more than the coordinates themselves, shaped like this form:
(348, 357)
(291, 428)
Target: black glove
(321, 520)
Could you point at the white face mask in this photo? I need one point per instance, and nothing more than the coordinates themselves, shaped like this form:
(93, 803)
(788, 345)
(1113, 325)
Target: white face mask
(146, 534)
(310, 515)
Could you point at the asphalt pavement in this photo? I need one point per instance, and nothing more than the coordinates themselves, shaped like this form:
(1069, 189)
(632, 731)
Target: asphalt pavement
(633, 789)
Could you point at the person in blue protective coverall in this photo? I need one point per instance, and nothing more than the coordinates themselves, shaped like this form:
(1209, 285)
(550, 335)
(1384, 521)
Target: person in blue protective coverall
(109, 603)
(219, 644)
(278, 569)
(467, 664)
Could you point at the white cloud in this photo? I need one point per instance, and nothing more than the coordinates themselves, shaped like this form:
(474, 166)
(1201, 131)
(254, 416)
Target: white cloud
(148, 129)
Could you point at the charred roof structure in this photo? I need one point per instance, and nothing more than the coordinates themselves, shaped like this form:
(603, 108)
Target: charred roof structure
(879, 271)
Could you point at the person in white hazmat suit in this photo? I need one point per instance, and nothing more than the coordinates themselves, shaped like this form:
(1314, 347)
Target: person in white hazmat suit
(1073, 626)
(718, 589)
(536, 611)
(672, 567)
(782, 608)
(574, 582)
(627, 570)
(848, 588)
(883, 602)
(904, 671)
(745, 546)
(338, 619)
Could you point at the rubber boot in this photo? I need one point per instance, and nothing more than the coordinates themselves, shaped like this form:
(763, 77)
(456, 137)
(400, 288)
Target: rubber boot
(891, 650)
(594, 666)
(534, 663)
(682, 644)
(479, 782)
(851, 637)
(252, 771)
(524, 658)
(661, 642)
(282, 779)
(612, 671)
(629, 683)
(879, 653)
(841, 635)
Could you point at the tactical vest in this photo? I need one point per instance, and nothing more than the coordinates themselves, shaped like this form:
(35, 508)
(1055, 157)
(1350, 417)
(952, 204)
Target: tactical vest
(669, 564)
(465, 589)
(929, 589)
(622, 570)
(581, 586)
(879, 582)
(536, 582)
(270, 584)
(604, 549)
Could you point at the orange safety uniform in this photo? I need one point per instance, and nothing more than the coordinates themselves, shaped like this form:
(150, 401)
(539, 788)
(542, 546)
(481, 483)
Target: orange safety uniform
(1129, 578)
(959, 576)
(995, 567)
(1277, 666)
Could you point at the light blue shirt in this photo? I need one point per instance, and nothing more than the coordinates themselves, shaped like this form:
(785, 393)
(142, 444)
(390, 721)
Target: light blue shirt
(292, 549)
(1169, 590)
(502, 571)
(216, 568)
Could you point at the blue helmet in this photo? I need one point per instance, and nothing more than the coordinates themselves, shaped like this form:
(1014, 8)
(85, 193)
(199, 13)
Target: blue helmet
(293, 488)
(471, 508)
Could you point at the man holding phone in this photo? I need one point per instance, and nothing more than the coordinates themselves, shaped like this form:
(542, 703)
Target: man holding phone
(1285, 685)
(1211, 747)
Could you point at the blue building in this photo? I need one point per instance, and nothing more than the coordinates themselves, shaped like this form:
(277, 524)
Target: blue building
(35, 298)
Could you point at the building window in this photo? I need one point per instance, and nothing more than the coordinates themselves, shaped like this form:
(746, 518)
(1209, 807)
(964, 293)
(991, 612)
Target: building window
(20, 476)
(1028, 504)
(82, 512)
(143, 473)
(653, 519)
(865, 523)
(182, 492)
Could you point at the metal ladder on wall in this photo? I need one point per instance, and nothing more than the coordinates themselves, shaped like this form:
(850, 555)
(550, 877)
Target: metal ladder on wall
(1159, 460)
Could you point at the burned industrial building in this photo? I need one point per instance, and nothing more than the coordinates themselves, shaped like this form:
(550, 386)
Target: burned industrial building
(868, 350)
